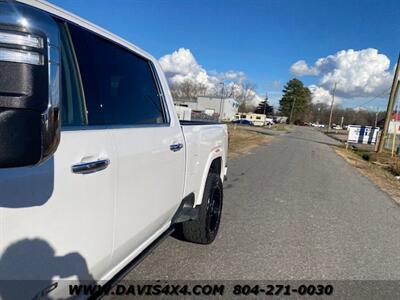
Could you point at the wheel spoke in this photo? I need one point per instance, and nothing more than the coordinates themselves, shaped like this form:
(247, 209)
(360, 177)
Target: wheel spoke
(214, 210)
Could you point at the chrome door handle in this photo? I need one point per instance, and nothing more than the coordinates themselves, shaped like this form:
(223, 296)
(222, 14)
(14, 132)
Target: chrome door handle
(176, 147)
(90, 167)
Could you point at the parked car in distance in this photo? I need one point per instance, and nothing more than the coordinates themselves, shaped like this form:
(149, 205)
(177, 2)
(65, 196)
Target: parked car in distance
(243, 122)
(269, 121)
(95, 167)
(317, 125)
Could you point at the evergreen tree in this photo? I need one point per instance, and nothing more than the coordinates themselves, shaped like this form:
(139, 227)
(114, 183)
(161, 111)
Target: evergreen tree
(295, 101)
(264, 108)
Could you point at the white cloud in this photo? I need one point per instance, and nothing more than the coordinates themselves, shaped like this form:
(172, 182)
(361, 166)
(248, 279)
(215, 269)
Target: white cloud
(301, 68)
(181, 65)
(321, 95)
(255, 98)
(359, 74)
(274, 97)
(236, 76)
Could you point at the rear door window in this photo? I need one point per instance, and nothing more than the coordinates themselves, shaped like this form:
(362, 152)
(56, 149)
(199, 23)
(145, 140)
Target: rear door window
(119, 85)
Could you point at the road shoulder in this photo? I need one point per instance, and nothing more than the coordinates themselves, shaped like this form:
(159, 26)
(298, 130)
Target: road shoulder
(382, 178)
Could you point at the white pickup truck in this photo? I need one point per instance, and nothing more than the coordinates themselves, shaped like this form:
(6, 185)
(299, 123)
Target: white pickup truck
(95, 167)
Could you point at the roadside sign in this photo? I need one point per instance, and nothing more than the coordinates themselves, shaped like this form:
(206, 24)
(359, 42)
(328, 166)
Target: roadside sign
(362, 134)
(394, 127)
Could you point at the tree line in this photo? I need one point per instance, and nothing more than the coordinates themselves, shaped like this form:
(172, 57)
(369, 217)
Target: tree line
(320, 113)
(189, 89)
(296, 102)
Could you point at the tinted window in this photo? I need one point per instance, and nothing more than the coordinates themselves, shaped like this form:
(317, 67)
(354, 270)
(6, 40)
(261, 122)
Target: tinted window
(72, 112)
(119, 85)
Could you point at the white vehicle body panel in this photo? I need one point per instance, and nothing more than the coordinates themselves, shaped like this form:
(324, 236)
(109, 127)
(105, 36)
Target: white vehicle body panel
(204, 144)
(150, 180)
(51, 218)
(92, 225)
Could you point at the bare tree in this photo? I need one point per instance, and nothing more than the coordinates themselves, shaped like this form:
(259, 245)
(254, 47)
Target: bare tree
(230, 90)
(243, 92)
(319, 112)
(188, 89)
(246, 92)
(201, 89)
(246, 107)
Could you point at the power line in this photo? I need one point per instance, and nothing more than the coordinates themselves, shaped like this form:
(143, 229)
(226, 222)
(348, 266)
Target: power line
(386, 92)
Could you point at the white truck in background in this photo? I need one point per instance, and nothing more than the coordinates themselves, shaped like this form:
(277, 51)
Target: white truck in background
(95, 167)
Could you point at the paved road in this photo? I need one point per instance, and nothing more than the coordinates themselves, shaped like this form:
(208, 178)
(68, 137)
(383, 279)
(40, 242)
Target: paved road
(293, 210)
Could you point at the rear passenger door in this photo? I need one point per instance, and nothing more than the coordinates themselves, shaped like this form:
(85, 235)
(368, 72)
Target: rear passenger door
(123, 93)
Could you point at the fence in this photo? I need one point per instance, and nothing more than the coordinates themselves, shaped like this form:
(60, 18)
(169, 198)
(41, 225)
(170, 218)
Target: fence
(389, 142)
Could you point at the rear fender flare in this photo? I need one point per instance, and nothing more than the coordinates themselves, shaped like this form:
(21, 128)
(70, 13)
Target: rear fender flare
(216, 153)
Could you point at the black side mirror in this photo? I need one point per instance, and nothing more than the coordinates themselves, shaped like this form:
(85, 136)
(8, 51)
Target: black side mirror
(29, 85)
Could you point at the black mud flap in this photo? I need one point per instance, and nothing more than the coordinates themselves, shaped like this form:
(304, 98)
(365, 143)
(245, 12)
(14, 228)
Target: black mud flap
(186, 211)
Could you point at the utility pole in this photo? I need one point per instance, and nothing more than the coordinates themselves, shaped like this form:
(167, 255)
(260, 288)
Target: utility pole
(333, 100)
(395, 125)
(266, 103)
(291, 111)
(390, 105)
(220, 103)
(376, 116)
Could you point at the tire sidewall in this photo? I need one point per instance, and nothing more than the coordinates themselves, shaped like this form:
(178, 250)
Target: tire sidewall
(214, 182)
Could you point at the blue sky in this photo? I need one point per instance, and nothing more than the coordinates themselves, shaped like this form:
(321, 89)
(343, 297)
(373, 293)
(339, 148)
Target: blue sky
(261, 38)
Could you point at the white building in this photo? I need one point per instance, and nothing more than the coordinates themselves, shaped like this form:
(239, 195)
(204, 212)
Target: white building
(226, 107)
(394, 125)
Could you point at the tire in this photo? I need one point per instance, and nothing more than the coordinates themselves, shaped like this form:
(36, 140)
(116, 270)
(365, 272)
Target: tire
(204, 229)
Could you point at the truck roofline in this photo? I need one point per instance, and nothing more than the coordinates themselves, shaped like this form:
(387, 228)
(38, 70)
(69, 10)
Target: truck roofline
(63, 14)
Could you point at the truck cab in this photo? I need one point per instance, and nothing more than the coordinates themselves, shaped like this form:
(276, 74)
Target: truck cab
(94, 164)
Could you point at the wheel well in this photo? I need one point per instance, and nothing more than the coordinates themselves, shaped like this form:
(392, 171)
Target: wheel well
(216, 166)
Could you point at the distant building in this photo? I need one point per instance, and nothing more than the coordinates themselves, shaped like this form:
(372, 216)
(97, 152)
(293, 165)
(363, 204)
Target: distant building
(212, 106)
(394, 124)
(396, 116)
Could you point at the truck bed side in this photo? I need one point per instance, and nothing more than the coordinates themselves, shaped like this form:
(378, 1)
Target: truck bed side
(205, 144)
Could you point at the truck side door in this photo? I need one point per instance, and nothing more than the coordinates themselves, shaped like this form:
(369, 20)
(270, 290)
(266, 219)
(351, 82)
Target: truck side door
(124, 88)
(56, 221)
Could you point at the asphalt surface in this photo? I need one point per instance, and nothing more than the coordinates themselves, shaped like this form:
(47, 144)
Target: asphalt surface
(293, 209)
